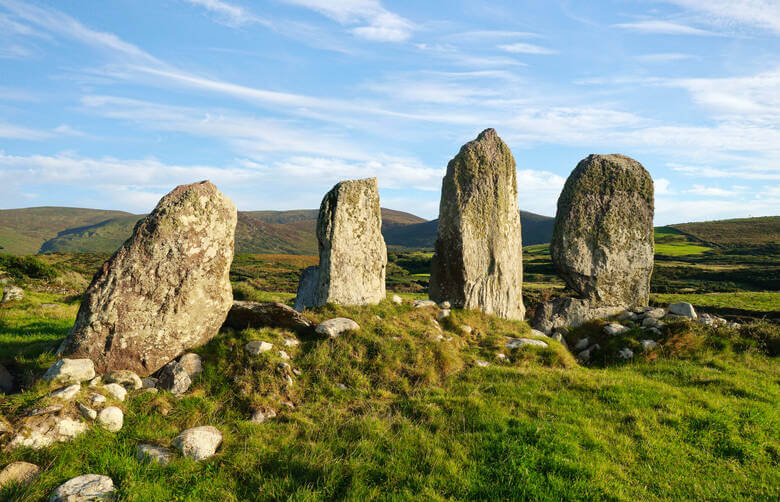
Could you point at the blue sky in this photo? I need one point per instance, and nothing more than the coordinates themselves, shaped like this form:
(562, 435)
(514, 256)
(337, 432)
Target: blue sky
(111, 104)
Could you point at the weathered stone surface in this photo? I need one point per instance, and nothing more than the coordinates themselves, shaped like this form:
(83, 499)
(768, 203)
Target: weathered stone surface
(22, 473)
(153, 453)
(165, 290)
(111, 418)
(602, 243)
(12, 293)
(66, 393)
(116, 391)
(174, 378)
(335, 327)
(421, 304)
(307, 288)
(86, 411)
(515, 343)
(199, 442)
(397, 300)
(648, 344)
(478, 260)
(256, 347)
(615, 329)
(353, 255)
(97, 399)
(683, 309)
(570, 312)
(42, 430)
(244, 315)
(126, 378)
(70, 371)
(6, 380)
(86, 488)
(192, 364)
(626, 353)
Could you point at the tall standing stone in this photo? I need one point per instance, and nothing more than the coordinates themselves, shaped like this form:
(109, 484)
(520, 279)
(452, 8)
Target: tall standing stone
(167, 288)
(353, 255)
(478, 263)
(602, 243)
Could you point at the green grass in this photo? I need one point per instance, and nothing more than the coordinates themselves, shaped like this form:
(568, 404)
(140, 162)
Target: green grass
(766, 301)
(695, 419)
(679, 249)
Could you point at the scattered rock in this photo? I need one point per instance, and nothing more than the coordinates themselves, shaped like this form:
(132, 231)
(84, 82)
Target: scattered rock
(398, 300)
(477, 262)
(192, 364)
(111, 418)
(445, 305)
(572, 312)
(291, 342)
(198, 443)
(256, 347)
(71, 371)
(153, 453)
(126, 378)
(149, 383)
(536, 332)
(6, 380)
(12, 293)
(42, 430)
(656, 313)
(335, 327)
(602, 243)
(582, 343)
(22, 473)
(648, 344)
(86, 488)
(174, 378)
(98, 399)
(683, 309)
(95, 382)
(341, 386)
(515, 343)
(466, 329)
(501, 356)
(625, 315)
(284, 355)
(244, 315)
(423, 303)
(559, 338)
(260, 416)
(654, 330)
(626, 353)
(167, 288)
(86, 411)
(66, 393)
(586, 354)
(615, 329)
(443, 314)
(481, 363)
(116, 391)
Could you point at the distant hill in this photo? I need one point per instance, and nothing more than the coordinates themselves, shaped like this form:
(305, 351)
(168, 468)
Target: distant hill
(740, 231)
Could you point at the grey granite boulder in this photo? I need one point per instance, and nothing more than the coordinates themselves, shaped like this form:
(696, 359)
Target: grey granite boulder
(86, 488)
(244, 315)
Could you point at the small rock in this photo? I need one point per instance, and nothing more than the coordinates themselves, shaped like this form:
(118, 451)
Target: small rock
(126, 378)
(626, 353)
(445, 305)
(683, 309)
(192, 364)
(71, 371)
(89, 487)
(96, 381)
(116, 391)
(153, 453)
(615, 329)
(536, 332)
(625, 315)
(256, 347)
(86, 411)
(501, 356)
(22, 473)
(149, 383)
(397, 300)
(111, 418)
(98, 399)
(582, 343)
(284, 355)
(335, 327)
(654, 330)
(515, 343)
(288, 380)
(481, 363)
(424, 303)
(648, 322)
(648, 344)
(174, 378)
(38, 431)
(443, 314)
(12, 293)
(585, 355)
(466, 329)
(66, 393)
(283, 368)
(297, 372)
(291, 342)
(656, 313)
(260, 416)
(341, 386)
(48, 410)
(559, 338)
(198, 443)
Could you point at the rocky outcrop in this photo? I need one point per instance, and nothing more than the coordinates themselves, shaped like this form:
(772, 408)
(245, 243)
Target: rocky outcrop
(244, 315)
(165, 290)
(478, 259)
(353, 256)
(602, 243)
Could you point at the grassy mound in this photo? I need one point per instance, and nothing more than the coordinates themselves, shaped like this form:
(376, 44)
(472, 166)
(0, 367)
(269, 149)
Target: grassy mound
(402, 410)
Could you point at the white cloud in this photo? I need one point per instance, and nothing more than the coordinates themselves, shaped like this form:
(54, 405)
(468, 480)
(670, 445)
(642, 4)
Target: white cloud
(523, 48)
(378, 23)
(660, 27)
(663, 57)
(670, 210)
(661, 186)
(226, 13)
(15, 52)
(10, 131)
(763, 14)
(711, 191)
(736, 174)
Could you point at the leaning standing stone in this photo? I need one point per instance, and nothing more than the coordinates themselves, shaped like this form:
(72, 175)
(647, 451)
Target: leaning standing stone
(478, 263)
(165, 290)
(602, 243)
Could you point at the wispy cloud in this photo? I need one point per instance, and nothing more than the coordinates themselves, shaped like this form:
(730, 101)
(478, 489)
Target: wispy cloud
(523, 48)
(227, 13)
(10, 131)
(663, 57)
(661, 27)
(376, 22)
(762, 14)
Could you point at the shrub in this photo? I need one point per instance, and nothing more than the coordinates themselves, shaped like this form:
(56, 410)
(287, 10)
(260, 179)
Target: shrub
(31, 267)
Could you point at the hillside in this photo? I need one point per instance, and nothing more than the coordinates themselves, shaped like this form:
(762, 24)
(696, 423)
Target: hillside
(739, 231)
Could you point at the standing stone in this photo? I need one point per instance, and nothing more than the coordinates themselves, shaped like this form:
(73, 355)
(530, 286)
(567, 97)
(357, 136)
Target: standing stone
(602, 243)
(165, 290)
(478, 263)
(353, 255)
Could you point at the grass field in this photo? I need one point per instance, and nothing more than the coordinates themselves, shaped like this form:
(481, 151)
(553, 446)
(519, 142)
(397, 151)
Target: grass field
(767, 301)
(416, 419)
